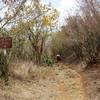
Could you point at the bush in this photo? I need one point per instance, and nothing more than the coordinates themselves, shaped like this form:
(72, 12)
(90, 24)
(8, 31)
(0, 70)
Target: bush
(48, 60)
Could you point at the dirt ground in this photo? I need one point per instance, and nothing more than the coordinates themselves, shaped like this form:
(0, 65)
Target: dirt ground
(91, 80)
(59, 82)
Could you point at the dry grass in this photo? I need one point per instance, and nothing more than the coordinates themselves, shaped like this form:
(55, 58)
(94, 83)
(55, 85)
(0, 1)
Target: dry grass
(27, 70)
(44, 83)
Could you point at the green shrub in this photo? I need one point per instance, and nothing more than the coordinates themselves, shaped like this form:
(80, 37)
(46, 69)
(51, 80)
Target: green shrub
(48, 60)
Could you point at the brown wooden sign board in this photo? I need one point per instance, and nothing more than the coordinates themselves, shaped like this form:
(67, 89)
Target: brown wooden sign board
(5, 42)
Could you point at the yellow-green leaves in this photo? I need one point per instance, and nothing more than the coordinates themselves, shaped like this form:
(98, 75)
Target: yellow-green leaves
(51, 18)
(46, 20)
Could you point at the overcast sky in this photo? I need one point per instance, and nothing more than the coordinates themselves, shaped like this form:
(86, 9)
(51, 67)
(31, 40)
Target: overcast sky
(63, 7)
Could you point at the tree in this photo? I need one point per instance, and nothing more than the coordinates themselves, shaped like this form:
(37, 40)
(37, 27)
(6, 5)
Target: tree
(13, 8)
(35, 24)
(83, 28)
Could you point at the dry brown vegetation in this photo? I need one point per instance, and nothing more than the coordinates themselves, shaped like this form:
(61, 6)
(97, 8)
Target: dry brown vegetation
(81, 34)
(56, 83)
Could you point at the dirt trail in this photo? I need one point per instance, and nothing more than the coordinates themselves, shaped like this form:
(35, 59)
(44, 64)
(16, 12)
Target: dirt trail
(63, 84)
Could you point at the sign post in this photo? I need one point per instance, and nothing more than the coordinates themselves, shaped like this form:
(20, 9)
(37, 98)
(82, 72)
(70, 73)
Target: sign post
(5, 44)
(5, 52)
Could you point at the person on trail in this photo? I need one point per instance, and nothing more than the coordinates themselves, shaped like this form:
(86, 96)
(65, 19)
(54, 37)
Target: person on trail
(58, 58)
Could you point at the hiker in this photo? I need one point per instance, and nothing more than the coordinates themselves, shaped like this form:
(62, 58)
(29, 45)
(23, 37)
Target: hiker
(58, 57)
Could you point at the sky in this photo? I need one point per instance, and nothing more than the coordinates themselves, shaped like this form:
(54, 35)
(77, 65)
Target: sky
(63, 6)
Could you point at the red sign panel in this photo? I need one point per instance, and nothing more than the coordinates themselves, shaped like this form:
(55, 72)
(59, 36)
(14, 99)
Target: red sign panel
(5, 42)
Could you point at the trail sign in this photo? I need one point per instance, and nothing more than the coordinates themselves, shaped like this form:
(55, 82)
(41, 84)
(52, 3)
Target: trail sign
(5, 42)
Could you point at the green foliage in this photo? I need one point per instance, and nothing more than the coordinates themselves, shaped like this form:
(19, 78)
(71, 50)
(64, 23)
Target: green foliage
(61, 45)
(30, 27)
(3, 67)
(48, 60)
